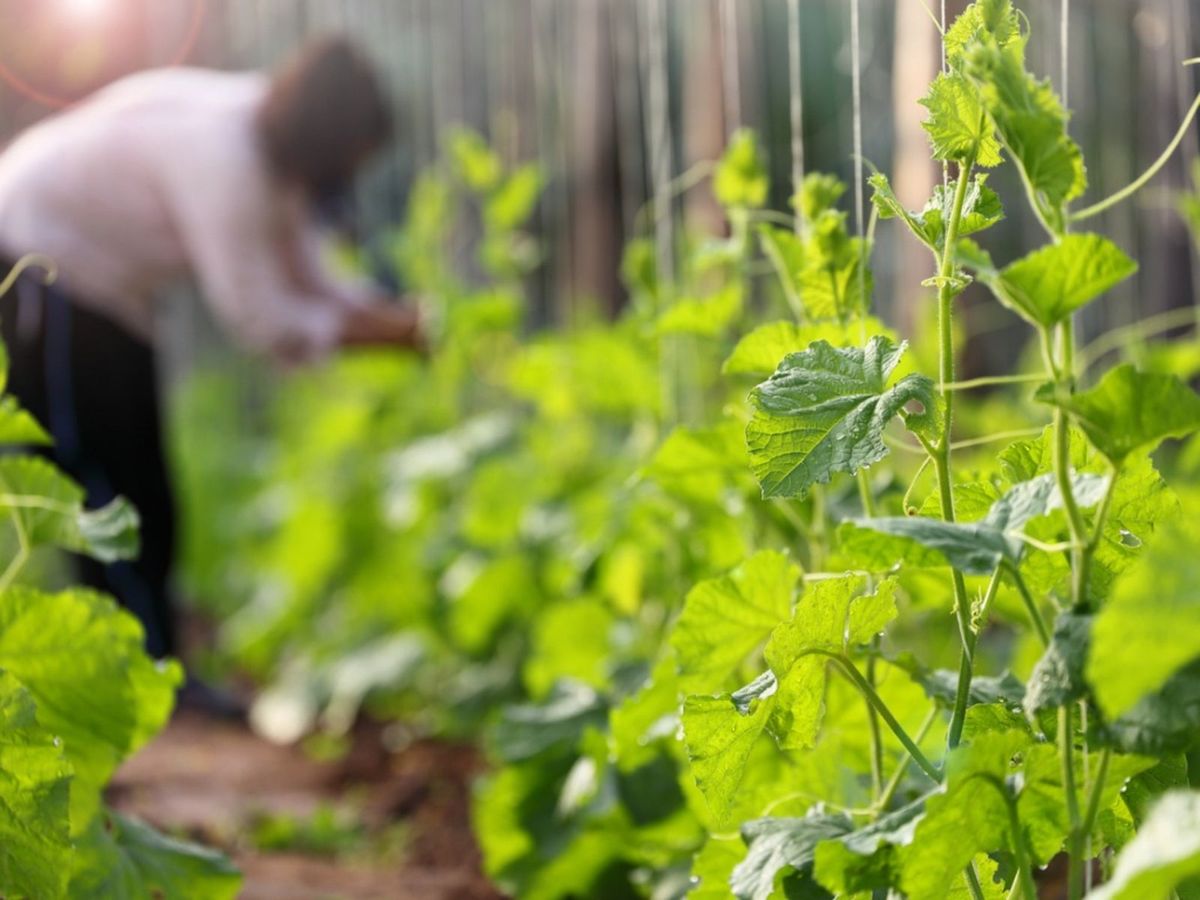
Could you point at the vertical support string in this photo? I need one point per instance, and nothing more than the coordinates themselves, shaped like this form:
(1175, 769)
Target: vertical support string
(796, 77)
(658, 134)
(1064, 49)
(856, 101)
(731, 65)
(1184, 92)
(945, 67)
(856, 91)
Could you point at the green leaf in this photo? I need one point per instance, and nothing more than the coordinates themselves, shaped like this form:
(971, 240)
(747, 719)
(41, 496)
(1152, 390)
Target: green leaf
(35, 847)
(703, 316)
(701, 464)
(725, 619)
(741, 180)
(865, 860)
(54, 643)
(760, 352)
(978, 548)
(818, 193)
(993, 20)
(836, 281)
(1164, 721)
(1147, 631)
(1130, 410)
(1140, 504)
(571, 640)
(713, 866)
(527, 730)
(1165, 853)
(831, 616)
(981, 210)
(642, 721)
(1029, 119)
(124, 859)
(778, 844)
(475, 163)
(515, 200)
(17, 426)
(959, 128)
(720, 732)
(888, 205)
(824, 411)
(785, 251)
(967, 818)
(1049, 284)
(941, 685)
(1058, 677)
(48, 507)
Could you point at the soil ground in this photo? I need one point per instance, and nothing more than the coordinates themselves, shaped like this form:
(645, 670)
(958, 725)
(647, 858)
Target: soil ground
(409, 829)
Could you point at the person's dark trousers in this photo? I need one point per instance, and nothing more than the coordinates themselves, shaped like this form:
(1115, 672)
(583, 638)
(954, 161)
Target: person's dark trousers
(94, 386)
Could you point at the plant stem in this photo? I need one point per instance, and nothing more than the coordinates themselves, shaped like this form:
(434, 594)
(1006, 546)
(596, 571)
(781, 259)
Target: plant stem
(893, 785)
(868, 691)
(1097, 790)
(820, 530)
(1035, 614)
(876, 736)
(865, 494)
(1066, 752)
(1088, 552)
(1064, 377)
(992, 380)
(1132, 188)
(1024, 866)
(942, 457)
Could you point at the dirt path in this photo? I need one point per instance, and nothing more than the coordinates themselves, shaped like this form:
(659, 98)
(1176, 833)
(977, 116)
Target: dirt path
(371, 825)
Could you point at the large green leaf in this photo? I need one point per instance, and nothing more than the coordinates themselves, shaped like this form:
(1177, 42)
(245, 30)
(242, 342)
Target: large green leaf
(1049, 284)
(977, 548)
(725, 619)
(48, 508)
(1030, 121)
(967, 818)
(1165, 853)
(959, 128)
(1147, 631)
(35, 847)
(720, 733)
(830, 617)
(82, 659)
(779, 844)
(1140, 504)
(1164, 721)
(1130, 410)
(824, 411)
(124, 859)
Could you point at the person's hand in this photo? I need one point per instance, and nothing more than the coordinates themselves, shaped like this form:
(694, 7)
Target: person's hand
(385, 324)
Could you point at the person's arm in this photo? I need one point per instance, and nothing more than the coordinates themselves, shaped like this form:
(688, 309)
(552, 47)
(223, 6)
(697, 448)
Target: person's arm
(242, 243)
(371, 318)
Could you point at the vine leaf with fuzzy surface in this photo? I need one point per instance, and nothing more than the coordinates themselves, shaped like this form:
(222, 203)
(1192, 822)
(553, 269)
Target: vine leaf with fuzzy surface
(824, 411)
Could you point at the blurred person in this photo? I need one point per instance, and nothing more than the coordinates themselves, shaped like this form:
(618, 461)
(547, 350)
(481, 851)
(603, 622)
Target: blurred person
(160, 175)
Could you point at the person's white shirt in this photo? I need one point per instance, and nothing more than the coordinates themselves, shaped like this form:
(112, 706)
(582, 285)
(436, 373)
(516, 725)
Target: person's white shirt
(159, 176)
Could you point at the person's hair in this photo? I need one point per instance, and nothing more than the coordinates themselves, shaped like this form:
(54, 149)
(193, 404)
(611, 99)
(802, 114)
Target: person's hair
(325, 113)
